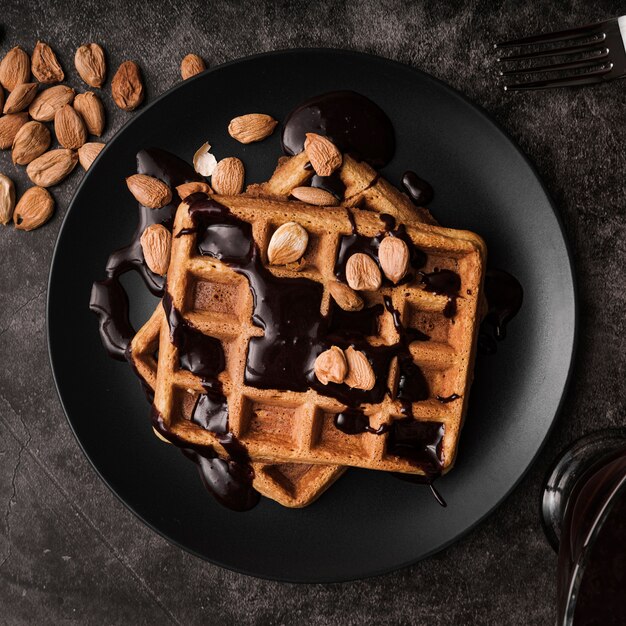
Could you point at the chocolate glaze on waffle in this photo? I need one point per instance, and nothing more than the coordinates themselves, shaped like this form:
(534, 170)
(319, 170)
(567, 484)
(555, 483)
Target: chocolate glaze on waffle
(445, 283)
(418, 189)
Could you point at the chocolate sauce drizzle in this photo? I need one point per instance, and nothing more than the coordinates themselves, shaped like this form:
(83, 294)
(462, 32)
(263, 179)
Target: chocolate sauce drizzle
(418, 189)
(444, 283)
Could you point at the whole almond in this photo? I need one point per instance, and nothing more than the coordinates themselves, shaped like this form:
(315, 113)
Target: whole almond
(191, 65)
(9, 125)
(251, 127)
(91, 109)
(186, 189)
(314, 195)
(20, 98)
(52, 167)
(34, 209)
(360, 372)
(156, 243)
(69, 128)
(48, 102)
(322, 153)
(362, 273)
(127, 86)
(345, 297)
(88, 152)
(14, 68)
(90, 64)
(31, 141)
(330, 366)
(7, 199)
(393, 255)
(45, 65)
(228, 177)
(287, 244)
(149, 191)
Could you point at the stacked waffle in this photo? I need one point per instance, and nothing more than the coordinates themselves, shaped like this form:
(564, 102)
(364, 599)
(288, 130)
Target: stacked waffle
(406, 348)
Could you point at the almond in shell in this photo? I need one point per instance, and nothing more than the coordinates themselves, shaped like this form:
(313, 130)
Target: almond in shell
(20, 98)
(45, 105)
(91, 109)
(186, 189)
(14, 68)
(149, 191)
(91, 64)
(34, 209)
(88, 152)
(360, 372)
(191, 65)
(287, 244)
(330, 366)
(322, 153)
(9, 125)
(127, 86)
(315, 196)
(228, 177)
(393, 255)
(362, 273)
(156, 243)
(251, 127)
(7, 199)
(52, 167)
(45, 65)
(69, 128)
(31, 141)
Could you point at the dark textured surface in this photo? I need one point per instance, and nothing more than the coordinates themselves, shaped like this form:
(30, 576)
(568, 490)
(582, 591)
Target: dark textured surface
(70, 552)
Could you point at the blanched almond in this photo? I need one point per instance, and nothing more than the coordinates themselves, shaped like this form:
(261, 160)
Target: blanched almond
(31, 141)
(393, 255)
(149, 191)
(20, 98)
(7, 199)
(52, 167)
(156, 243)
(90, 64)
(251, 127)
(287, 244)
(14, 68)
(360, 372)
(330, 366)
(228, 177)
(323, 154)
(186, 189)
(315, 196)
(88, 152)
(34, 209)
(9, 125)
(191, 65)
(127, 86)
(91, 109)
(48, 102)
(69, 128)
(345, 297)
(45, 65)
(362, 273)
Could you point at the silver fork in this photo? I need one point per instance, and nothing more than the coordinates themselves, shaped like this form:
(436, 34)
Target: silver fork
(604, 49)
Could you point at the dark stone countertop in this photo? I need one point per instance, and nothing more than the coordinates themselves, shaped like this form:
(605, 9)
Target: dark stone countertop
(71, 552)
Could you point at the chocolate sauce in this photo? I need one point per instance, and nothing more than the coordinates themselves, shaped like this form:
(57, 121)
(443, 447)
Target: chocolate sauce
(418, 479)
(109, 300)
(418, 189)
(355, 422)
(389, 221)
(419, 442)
(353, 324)
(333, 184)
(450, 398)
(351, 121)
(444, 283)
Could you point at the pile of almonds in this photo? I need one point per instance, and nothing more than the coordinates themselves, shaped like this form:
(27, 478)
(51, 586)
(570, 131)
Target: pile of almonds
(34, 113)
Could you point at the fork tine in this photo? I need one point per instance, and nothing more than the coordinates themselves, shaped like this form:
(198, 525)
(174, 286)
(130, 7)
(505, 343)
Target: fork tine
(589, 62)
(587, 78)
(553, 52)
(561, 35)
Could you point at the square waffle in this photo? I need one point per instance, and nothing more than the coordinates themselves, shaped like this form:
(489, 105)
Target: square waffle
(277, 425)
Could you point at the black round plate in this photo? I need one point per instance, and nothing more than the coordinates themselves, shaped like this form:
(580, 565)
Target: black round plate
(368, 522)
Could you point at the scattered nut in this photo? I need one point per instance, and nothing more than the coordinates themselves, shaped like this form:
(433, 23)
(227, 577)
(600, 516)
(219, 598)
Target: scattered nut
(31, 141)
(69, 128)
(9, 125)
(186, 189)
(191, 65)
(127, 86)
(7, 199)
(90, 64)
(14, 68)
(34, 209)
(228, 177)
(20, 98)
(203, 161)
(330, 366)
(88, 152)
(287, 244)
(156, 243)
(360, 372)
(48, 102)
(315, 196)
(52, 167)
(393, 255)
(251, 127)
(323, 154)
(362, 273)
(149, 191)
(45, 65)
(346, 298)
(91, 109)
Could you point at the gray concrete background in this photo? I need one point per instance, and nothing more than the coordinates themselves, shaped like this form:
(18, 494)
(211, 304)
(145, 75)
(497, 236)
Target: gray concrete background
(71, 553)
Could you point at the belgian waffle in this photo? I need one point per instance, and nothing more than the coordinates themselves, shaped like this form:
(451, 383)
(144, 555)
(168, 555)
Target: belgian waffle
(299, 426)
(293, 485)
